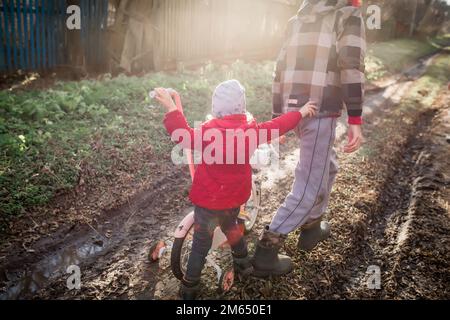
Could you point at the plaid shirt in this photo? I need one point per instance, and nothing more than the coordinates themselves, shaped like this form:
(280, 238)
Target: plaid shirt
(322, 60)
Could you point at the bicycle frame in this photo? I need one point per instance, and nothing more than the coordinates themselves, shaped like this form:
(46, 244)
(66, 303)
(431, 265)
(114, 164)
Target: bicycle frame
(189, 156)
(183, 228)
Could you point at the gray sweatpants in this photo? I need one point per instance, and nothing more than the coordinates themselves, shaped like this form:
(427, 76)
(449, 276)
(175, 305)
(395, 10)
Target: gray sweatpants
(314, 176)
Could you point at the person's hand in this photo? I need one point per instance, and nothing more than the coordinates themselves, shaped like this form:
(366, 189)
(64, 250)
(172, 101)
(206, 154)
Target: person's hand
(309, 110)
(164, 97)
(355, 139)
(176, 97)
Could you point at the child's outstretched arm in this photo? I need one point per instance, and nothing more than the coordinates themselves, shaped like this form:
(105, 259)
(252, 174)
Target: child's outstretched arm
(280, 126)
(175, 121)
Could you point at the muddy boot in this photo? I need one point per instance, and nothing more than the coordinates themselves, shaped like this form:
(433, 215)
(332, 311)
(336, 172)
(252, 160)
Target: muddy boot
(189, 290)
(267, 262)
(243, 266)
(312, 234)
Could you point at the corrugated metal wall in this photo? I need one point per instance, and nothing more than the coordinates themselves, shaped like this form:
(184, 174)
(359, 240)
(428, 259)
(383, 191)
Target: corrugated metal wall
(190, 31)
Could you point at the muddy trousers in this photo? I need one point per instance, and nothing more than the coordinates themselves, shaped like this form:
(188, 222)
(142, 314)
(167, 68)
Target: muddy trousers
(205, 223)
(314, 176)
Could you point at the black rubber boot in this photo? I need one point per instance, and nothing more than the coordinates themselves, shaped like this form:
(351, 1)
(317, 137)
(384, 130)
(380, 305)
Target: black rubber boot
(243, 266)
(267, 262)
(312, 234)
(189, 290)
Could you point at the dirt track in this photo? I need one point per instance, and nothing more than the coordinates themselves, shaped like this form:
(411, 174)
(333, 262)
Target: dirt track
(389, 209)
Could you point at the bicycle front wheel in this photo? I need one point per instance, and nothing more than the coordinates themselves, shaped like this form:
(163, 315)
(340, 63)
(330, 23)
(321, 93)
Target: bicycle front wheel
(180, 254)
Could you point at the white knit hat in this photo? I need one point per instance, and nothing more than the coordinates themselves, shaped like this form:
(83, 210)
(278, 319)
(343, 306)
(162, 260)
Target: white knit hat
(228, 99)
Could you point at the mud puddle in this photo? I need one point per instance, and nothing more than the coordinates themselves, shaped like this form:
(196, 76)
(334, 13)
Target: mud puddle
(112, 242)
(50, 268)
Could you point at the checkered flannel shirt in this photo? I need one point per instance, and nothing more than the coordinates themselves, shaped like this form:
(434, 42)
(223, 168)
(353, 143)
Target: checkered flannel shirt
(322, 60)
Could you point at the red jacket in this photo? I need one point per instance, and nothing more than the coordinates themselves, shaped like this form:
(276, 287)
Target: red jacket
(220, 186)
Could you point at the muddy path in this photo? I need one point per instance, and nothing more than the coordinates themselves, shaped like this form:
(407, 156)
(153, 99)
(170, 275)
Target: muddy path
(375, 215)
(113, 246)
(407, 231)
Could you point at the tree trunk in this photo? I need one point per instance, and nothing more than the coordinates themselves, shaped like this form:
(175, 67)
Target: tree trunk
(414, 17)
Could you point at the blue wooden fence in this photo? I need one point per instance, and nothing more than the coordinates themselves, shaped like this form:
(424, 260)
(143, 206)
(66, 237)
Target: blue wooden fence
(94, 21)
(33, 33)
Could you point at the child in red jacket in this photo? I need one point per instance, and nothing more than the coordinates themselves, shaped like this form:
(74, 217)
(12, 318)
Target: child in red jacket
(223, 179)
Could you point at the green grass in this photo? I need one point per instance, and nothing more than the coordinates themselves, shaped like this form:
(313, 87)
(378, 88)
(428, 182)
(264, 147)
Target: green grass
(394, 56)
(431, 83)
(48, 137)
(442, 42)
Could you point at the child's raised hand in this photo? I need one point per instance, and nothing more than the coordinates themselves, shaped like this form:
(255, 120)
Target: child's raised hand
(309, 110)
(176, 97)
(164, 97)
